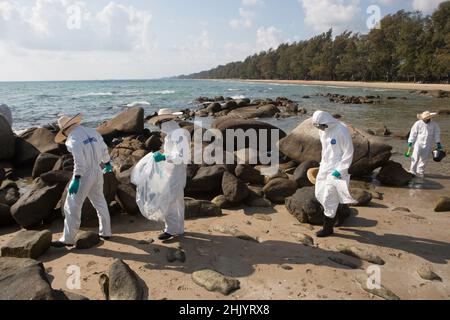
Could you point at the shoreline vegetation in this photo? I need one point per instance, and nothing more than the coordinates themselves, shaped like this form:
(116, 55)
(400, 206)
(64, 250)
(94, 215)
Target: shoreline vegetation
(407, 47)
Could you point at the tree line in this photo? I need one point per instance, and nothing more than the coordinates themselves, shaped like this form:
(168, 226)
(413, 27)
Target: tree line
(408, 46)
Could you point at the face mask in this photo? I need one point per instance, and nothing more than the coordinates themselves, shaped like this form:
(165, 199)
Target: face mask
(322, 127)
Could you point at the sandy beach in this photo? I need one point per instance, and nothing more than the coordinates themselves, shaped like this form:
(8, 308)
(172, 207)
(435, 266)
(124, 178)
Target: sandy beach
(356, 84)
(278, 267)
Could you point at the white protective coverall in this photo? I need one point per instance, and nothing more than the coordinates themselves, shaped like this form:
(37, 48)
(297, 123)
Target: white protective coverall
(6, 113)
(160, 186)
(337, 154)
(422, 136)
(89, 151)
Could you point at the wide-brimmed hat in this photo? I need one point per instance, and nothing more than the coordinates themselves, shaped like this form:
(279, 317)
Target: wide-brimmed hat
(427, 115)
(312, 175)
(67, 124)
(164, 115)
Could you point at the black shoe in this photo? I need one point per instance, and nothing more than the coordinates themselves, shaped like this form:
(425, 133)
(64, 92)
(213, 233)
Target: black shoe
(59, 244)
(165, 236)
(327, 228)
(105, 238)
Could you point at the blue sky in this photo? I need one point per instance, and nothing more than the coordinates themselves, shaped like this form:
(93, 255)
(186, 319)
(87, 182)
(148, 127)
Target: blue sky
(105, 39)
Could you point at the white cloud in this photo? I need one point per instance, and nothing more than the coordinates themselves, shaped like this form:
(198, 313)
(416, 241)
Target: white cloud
(245, 20)
(251, 3)
(55, 25)
(324, 14)
(427, 6)
(267, 38)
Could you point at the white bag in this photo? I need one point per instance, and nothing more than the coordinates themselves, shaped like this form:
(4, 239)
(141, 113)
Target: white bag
(153, 193)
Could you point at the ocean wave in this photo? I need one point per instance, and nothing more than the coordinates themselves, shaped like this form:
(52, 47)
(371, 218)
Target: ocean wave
(238, 97)
(163, 92)
(138, 103)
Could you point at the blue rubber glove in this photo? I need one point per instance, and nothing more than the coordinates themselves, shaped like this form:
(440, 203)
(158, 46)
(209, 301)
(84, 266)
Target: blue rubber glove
(336, 174)
(159, 157)
(439, 147)
(74, 186)
(108, 168)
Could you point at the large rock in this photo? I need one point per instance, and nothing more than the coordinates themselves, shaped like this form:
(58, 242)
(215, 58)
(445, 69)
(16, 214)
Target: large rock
(7, 140)
(206, 180)
(249, 174)
(89, 216)
(59, 176)
(6, 219)
(122, 283)
(23, 279)
(9, 195)
(304, 206)
(393, 174)
(28, 244)
(229, 123)
(233, 188)
(44, 163)
(255, 112)
(214, 281)
(33, 142)
(200, 209)
(443, 205)
(128, 122)
(37, 204)
(86, 240)
(277, 190)
(301, 173)
(362, 197)
(126, 197)
(303, 144)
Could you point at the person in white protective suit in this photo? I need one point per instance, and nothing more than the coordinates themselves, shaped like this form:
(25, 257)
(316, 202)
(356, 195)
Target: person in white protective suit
(332, 182)
(161, 178)
(5, 111)
(89, 152)
(423, 134)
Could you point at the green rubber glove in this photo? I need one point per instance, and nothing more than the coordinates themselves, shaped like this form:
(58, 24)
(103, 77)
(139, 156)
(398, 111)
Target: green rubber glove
(108, 168)
(440, 147)
(159, 157)
(336, 174)
(74, 186)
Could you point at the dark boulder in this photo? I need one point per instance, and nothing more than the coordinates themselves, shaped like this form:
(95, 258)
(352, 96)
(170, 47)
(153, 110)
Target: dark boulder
(37, 204)
(249, 174)
(277, 190)
(53, 177)
(28, 244)
(86, 240)
(126, 197)
(23, 279)
(304, 206)
(44, 163)
(362, 197)
(6, 219)
(301, 173)
(206, 180)
(128, 122)
(200, 209)
(392, 174)
(442, 205)
(7, 140)
(233, 188)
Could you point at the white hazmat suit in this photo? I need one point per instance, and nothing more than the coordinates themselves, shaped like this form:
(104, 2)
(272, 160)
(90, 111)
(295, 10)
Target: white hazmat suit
(160, 186)
(422, 136)
(89, 151)
(337, 154)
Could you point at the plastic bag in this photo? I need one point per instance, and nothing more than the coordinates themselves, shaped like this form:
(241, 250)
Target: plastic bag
(153, 192)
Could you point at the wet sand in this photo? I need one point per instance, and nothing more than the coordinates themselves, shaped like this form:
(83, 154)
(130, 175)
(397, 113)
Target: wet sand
(358, 84)
(405, 240)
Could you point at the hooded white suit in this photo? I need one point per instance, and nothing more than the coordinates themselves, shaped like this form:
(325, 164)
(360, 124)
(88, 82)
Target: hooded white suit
(89, 151)
(422, 136)
(337, 154)
(160, 186)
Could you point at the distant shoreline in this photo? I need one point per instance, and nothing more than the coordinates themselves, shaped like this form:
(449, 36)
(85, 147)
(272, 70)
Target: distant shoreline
(351, 84)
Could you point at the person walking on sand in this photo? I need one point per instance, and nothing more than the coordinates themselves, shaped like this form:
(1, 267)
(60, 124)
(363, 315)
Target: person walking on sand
(161, 177)
(421, 138)
(333, 179)
(89, 151)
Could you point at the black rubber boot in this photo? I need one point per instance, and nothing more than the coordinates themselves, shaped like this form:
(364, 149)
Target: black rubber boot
(328, 229)
(165, 236)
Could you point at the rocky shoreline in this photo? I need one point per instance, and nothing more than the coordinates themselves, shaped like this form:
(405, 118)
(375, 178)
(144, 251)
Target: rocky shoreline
(34, 156)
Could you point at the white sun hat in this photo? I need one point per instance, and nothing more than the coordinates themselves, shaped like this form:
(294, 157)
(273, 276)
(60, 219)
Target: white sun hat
(66, 125)
(427, 115)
